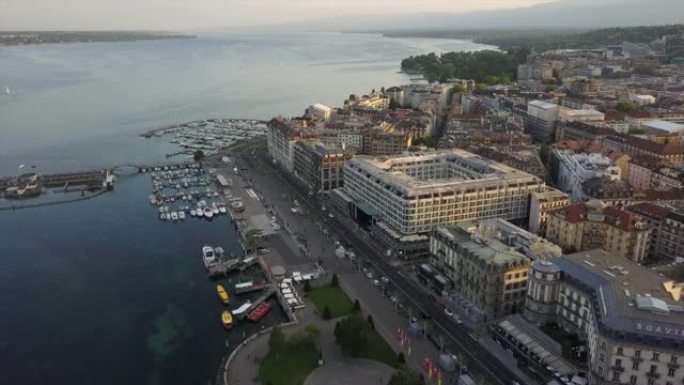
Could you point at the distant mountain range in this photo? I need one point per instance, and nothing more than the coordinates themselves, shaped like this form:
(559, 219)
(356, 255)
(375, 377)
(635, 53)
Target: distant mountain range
(563, 14)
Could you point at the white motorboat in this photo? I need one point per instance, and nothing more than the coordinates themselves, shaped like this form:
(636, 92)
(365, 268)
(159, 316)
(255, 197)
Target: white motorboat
(209, 256)
(214, 209)
(161, 209)
(207, 212)
(192, 212)
(174, 216)
(181, 215)
(162, 216)
(222, 209)
(198, 212)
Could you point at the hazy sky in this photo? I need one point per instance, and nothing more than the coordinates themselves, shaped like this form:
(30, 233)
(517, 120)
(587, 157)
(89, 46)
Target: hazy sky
(189, 14)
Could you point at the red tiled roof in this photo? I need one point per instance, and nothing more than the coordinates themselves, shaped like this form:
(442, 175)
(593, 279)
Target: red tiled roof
(650, 210)
(626, 220)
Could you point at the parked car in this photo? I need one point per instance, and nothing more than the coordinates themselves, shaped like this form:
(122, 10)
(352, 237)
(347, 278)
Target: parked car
(385, 279)
(376, 283)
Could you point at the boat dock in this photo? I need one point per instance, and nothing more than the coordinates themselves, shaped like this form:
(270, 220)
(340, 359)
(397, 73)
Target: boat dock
(249, 287)
(271, 291)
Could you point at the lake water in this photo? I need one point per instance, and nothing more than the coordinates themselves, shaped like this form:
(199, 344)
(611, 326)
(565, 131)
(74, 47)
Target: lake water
(101, 291)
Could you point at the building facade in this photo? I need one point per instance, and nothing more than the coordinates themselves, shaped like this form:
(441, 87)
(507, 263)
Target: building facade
(415, 192)
(541, 204)
(576, 168)
(318, 166)
(595, 225)
(630, 317)
(485, 272)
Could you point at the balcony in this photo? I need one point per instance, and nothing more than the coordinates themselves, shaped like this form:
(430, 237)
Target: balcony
(652, 375)
(616, 368)
(673, 365)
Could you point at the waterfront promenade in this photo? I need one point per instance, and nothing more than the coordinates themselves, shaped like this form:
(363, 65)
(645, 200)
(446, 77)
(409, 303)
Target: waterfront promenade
(320, 233)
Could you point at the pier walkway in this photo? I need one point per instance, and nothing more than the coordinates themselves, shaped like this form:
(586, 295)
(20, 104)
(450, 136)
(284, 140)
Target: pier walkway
(271, 291)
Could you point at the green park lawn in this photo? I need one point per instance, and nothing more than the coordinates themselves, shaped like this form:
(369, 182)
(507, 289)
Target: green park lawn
(289, 365)
(334, 298)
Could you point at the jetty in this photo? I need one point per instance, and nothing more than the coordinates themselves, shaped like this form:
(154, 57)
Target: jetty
(271, 291)
(249, 287)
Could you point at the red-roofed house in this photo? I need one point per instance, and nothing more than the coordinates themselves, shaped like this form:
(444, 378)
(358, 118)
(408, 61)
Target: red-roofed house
(593, 225)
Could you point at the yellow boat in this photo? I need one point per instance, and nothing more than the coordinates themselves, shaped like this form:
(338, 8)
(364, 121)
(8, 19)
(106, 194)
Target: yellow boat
(227, 320)
(223, 294)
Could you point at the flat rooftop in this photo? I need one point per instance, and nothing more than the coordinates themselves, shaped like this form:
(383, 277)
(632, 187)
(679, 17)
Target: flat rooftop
(446, 169)
(629, 298)
(487, 250)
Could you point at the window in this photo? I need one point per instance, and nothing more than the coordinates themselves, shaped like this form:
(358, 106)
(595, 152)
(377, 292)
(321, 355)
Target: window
(602, 357)
(635, 365)
(673, 359)
(619, 351)
(654, 368)
(603, 344)
(670, 372)
(655, 356)
(651, 381)
(616, 376)
(637, 353)
(632, 379)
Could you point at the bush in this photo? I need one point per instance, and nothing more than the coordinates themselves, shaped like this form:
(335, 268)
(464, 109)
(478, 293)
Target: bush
(307, 286)
(357, 306)
(400, 358)
(326, 313)
(370, 321)
(334, 281)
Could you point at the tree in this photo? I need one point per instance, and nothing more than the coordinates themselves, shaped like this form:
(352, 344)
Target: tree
(357, 306)
(480, 86)
(406, 376)
(352, 335)
(625, 107)
(326, 313)
(370, 321)
(251, 239)
(334, 281)
(550, 88)
(198, 155)
(307, 286)
(277, 339)
(458, 89)
(400, 358)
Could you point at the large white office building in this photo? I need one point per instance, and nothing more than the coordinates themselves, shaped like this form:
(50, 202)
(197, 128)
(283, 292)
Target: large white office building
(410, 194)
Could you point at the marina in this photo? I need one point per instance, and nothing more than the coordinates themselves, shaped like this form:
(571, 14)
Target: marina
(209, 135)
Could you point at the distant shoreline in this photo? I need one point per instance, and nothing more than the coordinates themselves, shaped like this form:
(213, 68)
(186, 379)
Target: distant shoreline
(24, 38)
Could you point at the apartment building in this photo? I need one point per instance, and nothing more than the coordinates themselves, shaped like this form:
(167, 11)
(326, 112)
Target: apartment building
(667, 229)
(319, 167)
(671, 154)
(485, 272)
(595, 225)
(573, 169)
(541, 204)
(631, 318)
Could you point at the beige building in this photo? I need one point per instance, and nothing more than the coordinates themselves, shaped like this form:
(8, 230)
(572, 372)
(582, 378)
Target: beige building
(485, 272)
(541, 203)
(630, 317)
(594, 225)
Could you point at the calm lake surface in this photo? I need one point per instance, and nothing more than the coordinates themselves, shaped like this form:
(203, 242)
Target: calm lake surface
(101, 291)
